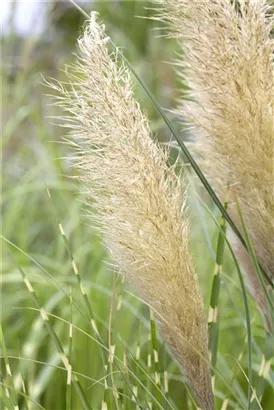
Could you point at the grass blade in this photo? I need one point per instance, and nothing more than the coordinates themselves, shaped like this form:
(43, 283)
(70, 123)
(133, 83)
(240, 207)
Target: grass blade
(10, 393)
(155, 350)
(68, 390)
(79, 390)
(246, 306)
(213, 320)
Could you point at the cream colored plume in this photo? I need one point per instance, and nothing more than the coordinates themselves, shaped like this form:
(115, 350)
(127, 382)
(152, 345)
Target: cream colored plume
(227, 62)
(139, 201)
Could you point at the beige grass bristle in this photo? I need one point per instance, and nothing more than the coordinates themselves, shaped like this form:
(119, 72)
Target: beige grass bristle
(139, 201)
(227, 62)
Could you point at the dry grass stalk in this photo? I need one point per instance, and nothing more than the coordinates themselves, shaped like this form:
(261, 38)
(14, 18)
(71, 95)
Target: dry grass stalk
(138, 200)
(227, 61)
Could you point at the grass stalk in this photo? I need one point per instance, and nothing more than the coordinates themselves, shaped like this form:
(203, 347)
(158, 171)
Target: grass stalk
(126, 400)
(165, 373)
(137, 358)
(246, 306)
(68, 389)
(75, 269)
(71, 377)
(154, 344)
(9, 386)
(149, 367)
(213, 315)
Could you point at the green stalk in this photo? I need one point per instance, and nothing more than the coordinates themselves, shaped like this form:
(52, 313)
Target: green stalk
(149, 368)
(10, 392)
(68, 389)
(137, 358)
(126, 400)
(166, 381)
(149, 390)
(71, 376)
(111, 347)
(75, 269)
(264, 371)
(155, 350)
(25, 396)
(20, 373)
(213, 315)
(77, 273)
(247, 313)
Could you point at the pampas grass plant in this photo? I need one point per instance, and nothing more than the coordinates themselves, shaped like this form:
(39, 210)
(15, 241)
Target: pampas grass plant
(139, 201)
(227, 62)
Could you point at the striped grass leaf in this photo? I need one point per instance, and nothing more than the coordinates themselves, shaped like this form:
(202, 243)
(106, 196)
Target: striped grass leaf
(68, 389)
(9, 388)
(111, 400)
(246, 306)
(107, 359)
(24, 388)
(165, 376)
(146, 383)
(25, 396)
(75, 269)
(213, 315)
(126, 390)
(71, 377)
(264, 368)
(137, 358)
(149, 366)
(234, 373)
(155, 355)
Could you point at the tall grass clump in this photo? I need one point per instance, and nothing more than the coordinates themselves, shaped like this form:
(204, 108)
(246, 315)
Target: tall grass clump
(137, 198)
(226, 61)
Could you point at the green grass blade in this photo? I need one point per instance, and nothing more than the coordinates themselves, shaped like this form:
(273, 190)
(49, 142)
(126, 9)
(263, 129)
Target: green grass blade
(246, 306)
(137, 358)
(78, 388)
(126, 389)
(166, 380)
(154, 343)
(149, 368)
(213, 319)
(68, 389)
(10, 392)
(26, 400)
(25, 396)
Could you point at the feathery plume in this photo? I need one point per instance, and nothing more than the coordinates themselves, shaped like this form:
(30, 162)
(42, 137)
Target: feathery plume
(227, 62)
(139, 201)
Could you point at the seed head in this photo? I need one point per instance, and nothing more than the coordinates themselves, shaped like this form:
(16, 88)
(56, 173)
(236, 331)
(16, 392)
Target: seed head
(138, 200)
(227, 62)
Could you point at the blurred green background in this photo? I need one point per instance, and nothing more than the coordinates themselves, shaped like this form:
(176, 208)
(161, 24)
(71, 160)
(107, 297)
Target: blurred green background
(34, 160)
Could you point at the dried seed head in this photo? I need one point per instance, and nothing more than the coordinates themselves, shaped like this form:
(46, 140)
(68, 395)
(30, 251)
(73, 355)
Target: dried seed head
(139, 201)
(227, 61)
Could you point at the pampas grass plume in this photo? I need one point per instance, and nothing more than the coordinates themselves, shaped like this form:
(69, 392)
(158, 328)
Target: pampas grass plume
(139, 201)
(227, 62)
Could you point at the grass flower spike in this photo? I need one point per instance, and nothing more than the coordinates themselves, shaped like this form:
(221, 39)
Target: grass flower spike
(138, 199)
(227, 62)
